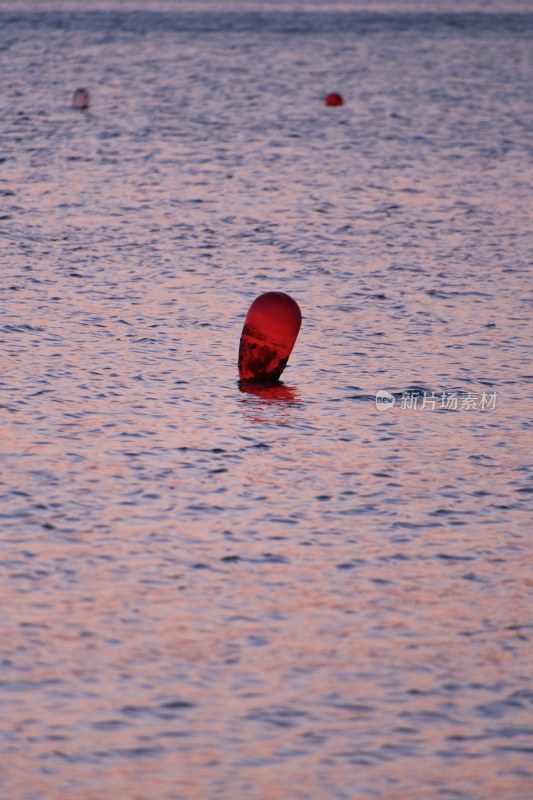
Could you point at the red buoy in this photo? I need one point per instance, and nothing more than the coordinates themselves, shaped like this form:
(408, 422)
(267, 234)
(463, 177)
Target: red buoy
(268, 336)
(334, 99)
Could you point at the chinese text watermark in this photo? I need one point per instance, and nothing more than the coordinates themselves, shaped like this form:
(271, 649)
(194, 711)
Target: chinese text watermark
(445, 401)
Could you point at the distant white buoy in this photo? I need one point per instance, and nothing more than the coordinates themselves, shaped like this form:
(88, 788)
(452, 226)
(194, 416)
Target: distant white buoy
(81, 99)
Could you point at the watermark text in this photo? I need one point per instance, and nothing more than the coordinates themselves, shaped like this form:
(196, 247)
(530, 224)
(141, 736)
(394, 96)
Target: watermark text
(443, 401)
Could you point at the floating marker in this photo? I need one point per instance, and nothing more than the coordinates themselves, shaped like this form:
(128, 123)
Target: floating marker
(81, 99)
(334, 99)
(268, 336)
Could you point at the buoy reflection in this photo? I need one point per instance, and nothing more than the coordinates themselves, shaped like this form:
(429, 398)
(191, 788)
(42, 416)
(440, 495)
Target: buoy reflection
(272, 403)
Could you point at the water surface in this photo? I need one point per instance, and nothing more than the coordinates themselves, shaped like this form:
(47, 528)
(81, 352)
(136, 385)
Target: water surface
(284, 593)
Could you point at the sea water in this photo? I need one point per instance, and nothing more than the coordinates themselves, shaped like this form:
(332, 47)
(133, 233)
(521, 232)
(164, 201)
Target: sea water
(209, 592)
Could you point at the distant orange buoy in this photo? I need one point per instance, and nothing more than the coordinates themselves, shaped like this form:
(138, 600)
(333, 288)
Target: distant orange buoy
(81, 99)
(334, 99)
(268, 336)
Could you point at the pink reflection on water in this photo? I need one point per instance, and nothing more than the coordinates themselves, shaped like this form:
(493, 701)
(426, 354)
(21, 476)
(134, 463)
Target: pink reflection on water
(272, 394)
(269, 403)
